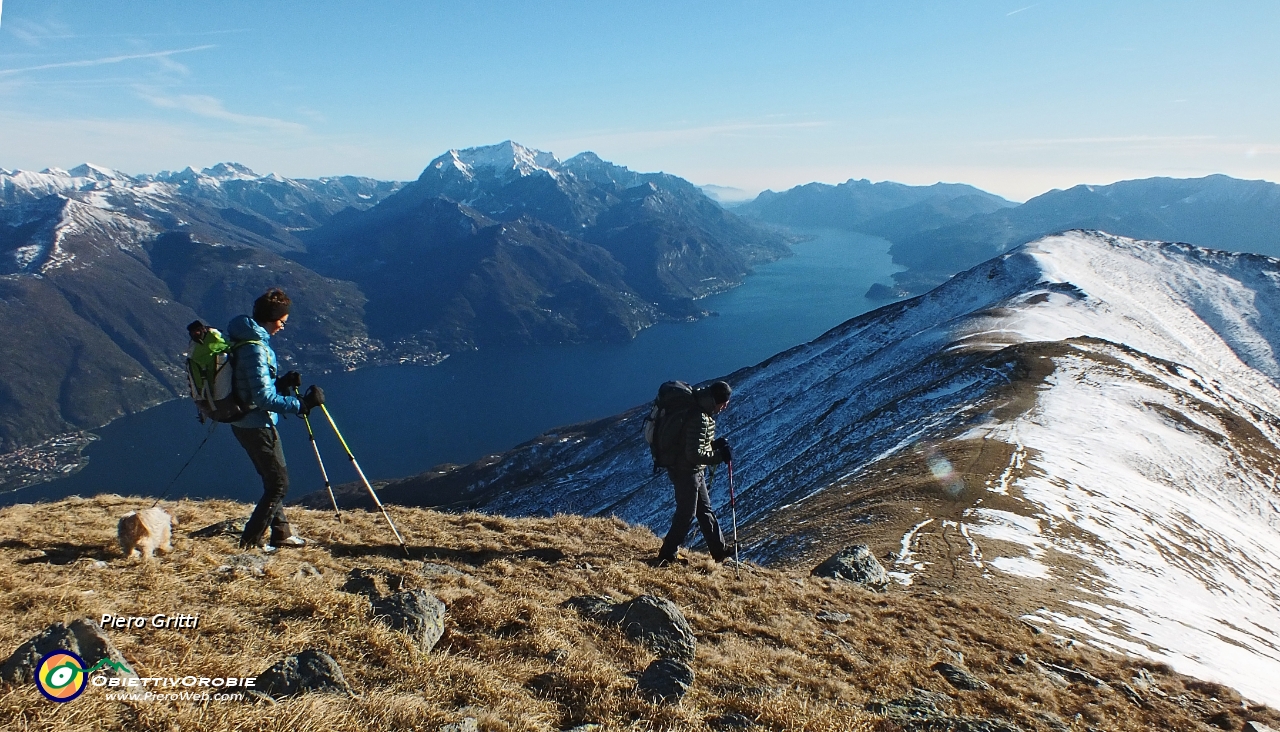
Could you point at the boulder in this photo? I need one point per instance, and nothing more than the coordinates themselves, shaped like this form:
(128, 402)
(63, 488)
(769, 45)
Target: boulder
(466, 724)
(82, 637)
(855, 564)
(665, 680)
(416, 612)
(960, 677)
(656, 624)
(308, 671)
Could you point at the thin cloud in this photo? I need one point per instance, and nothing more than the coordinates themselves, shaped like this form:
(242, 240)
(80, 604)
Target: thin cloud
(212, 108)
(1019, 10)
(104, 61)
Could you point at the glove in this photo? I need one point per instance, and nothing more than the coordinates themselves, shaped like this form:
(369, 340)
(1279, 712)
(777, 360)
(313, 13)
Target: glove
(721, 446)
(290, 381)
(312, 399)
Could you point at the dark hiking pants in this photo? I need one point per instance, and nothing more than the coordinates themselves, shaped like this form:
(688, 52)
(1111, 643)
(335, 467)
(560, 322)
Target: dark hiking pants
(263, 446)
(692, 501)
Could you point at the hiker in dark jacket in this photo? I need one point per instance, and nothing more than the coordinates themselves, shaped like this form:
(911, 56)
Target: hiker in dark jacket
(701, 448)
(257, 386)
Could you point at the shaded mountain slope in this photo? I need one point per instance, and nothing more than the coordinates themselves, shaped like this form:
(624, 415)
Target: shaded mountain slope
(513, 246)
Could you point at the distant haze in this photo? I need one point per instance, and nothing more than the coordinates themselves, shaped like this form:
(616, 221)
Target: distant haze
(1015, 98)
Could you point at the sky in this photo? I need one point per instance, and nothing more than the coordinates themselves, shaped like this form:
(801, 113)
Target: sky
(1016, 97)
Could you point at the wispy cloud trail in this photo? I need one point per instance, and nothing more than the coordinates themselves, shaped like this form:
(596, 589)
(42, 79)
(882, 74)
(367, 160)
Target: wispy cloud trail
(1019, 10)
(104, 61)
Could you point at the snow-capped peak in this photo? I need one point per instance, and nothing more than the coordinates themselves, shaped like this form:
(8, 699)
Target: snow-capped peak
(504, 158)
(96, 172)
(230, 171)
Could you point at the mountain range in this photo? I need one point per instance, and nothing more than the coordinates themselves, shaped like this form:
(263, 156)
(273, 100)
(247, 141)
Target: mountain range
(937, 231)
(1085, 426)
(100, 271)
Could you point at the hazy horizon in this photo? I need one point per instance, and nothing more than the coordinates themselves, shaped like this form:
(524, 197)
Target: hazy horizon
(1016, 98)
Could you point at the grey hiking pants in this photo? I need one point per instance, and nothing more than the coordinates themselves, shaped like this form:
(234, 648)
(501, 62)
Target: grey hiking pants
(263, 446)
(692, 500)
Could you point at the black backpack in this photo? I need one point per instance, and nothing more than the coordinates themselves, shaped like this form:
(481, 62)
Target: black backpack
(665, 422)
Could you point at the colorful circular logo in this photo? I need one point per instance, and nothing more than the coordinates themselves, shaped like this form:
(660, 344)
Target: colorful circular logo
(60, 676)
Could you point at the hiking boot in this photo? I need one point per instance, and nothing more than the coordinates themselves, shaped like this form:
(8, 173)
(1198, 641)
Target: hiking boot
(661, 561)
(291, 541)
(726, 556)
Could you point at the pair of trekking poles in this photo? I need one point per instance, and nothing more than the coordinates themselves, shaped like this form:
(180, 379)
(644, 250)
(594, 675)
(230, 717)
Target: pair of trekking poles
(325, 474)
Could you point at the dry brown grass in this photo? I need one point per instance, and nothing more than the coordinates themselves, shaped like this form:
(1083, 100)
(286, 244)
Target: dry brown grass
(511, 656)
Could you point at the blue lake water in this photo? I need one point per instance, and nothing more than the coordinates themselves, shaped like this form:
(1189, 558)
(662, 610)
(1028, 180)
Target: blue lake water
(402, 420)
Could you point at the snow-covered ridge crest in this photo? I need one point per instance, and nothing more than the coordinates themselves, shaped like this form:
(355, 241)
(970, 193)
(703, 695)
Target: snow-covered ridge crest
(1133, 387)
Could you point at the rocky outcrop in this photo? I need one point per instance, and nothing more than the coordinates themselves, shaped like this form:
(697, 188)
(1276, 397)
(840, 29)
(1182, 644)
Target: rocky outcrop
(82, 637)
(416, 612)
(855, 564)
(653, 622)
(308, 671)
(665, 680)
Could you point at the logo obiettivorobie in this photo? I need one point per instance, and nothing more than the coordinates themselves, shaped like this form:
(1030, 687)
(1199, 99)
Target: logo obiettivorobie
(61, 675)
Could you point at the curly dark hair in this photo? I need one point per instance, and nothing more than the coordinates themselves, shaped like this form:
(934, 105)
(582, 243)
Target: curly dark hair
(271, 306)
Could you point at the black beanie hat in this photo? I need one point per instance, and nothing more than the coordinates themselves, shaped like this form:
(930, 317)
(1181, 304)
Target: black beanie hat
(272, 306)
(720, 391)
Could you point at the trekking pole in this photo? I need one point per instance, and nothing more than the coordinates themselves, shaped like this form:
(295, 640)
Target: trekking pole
(365, 480)
(169, 487)
(323, 474)
(733, 508)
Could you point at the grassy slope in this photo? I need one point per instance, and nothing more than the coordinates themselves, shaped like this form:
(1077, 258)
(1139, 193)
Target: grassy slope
(511, 656)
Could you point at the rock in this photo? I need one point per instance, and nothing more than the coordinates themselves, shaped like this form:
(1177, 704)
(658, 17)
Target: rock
(656, 624)
(1020, 659)
(306, 571)
(468, 724)
(1074, 674)
(925, 711)
(82, 637)
(919, 703)
(855, 564)
(730, 720)
(416, 612)
(230, 527)
(665, 680)
(310, 670)
(1053, 721)
(828, 616)
(251, 564)
(1252, 726)
(960, 677)
(591, 607)
(589, 727)
(431, 569)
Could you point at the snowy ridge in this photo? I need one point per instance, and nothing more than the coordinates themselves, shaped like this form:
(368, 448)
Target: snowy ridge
(505, 159)
(1133, 385)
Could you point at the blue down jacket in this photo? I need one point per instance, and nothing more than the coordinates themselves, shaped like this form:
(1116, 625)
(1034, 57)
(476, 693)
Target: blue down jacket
(255, 375)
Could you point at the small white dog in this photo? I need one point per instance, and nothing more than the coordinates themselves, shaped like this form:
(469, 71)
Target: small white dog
(145, 531)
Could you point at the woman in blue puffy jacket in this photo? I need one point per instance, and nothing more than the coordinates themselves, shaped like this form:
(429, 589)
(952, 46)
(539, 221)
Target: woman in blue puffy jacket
(259, 389)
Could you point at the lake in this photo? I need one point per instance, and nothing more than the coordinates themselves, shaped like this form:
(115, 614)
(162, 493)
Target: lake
(402, 420)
